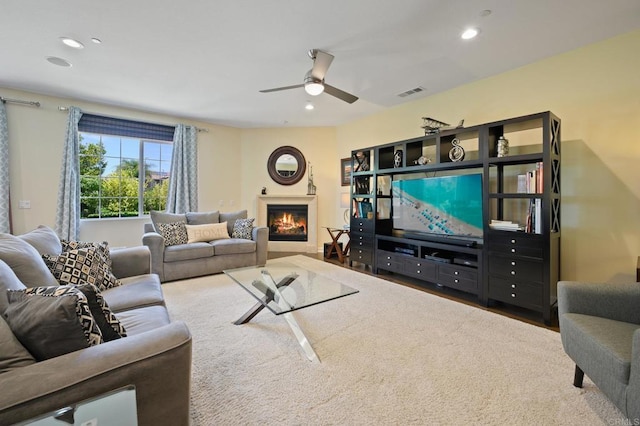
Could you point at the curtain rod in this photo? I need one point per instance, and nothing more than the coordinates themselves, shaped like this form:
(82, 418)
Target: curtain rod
(18, 101)
(199, 129)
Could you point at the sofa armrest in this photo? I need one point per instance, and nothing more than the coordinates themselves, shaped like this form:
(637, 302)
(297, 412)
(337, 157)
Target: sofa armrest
(130, 261)
(157, 362)
(155, 243)
(614, 301)
(260, 235)
(633, 390)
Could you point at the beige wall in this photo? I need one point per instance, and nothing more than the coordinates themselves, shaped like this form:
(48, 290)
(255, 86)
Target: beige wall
(594, 90)
(596, 93)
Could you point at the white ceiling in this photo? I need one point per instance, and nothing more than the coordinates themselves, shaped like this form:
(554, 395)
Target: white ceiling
(208, 59)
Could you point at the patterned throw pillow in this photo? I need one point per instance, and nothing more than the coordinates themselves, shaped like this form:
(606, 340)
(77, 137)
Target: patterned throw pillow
(107, 322)
(52, 321)
(81, 266)
(102, 248)
(242, 228)
(210, 232)
(173, 233)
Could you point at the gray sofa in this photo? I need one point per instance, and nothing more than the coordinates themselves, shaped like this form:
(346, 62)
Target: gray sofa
(600, 331)
(155, 355)
(179, 261)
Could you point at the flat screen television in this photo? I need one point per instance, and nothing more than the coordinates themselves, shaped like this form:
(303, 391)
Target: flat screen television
(439, 206)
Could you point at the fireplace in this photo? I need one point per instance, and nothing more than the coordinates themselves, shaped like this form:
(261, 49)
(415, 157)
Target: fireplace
(287, 222)
(310, 243)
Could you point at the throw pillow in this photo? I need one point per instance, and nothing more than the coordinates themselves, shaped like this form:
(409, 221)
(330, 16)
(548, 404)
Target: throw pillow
(108, 324)
(203, 218)
(173, 233)
(102, 248)
(8, 281)
(13, 354)
(242, 228)
(80, 266)
(52, 321)
(43, 239)
(25, 261)
(210, 232)
(162, 217)
(231, 217)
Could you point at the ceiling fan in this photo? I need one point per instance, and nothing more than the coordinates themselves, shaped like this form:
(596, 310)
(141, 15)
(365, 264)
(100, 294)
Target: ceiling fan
(314, 79)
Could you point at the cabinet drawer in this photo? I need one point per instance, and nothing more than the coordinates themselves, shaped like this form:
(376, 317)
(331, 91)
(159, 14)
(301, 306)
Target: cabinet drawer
(518, 244)
(464, 284)
(362, 225)
(420, 269)
(515, 293)
(516, 268)
(456, 271)
(361, 240)
(389, 261)
(361, 255)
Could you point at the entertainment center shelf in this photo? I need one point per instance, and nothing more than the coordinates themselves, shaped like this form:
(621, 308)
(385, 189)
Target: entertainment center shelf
(514, 254)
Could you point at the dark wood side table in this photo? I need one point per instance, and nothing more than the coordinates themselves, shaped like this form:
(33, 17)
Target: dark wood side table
(336, 233)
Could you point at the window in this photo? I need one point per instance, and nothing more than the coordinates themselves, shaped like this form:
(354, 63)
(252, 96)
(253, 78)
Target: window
(122, 175)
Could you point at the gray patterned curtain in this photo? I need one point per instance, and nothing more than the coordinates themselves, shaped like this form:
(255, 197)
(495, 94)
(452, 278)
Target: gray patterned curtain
(68, 208)
(183, 181)
(5, 204)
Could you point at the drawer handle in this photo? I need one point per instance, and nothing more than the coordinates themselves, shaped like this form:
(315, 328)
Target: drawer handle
(456, 281)
(456, 273)
(513, 263)
(388, 264)
(513, 286)
(388, 257)
(513, 295)
(419, 264)
(513, 241)
(513, 272)
(418, 271)
(513, 250)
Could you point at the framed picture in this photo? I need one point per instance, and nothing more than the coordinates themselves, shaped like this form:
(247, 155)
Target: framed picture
(345, 171)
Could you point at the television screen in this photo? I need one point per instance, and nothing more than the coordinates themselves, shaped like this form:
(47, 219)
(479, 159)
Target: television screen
(446, 205)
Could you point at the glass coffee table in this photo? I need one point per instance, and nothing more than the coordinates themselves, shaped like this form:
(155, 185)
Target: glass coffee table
(283, 288)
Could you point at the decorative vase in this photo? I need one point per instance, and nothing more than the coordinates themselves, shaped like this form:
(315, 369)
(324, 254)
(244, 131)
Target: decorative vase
(503, 146)
(397, 158)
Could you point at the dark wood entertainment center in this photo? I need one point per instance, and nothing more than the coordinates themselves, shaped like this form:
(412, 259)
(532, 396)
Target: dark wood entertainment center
(518, 267)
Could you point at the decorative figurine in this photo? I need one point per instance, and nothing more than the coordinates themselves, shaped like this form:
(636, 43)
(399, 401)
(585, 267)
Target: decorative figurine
(311, 188)
(264, 190)
(397, 159)
(457, 152)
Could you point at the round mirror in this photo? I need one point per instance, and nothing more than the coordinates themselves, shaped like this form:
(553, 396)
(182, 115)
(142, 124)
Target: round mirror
(286, 165)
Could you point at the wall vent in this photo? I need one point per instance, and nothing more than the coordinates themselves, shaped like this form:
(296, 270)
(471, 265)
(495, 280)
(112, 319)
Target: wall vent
(412, 91)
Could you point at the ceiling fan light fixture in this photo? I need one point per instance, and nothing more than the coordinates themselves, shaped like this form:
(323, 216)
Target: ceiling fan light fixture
(469, 33)
(314, 88)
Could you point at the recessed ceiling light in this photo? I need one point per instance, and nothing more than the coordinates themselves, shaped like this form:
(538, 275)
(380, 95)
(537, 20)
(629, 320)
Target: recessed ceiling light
(58, 61)
(485, 13)
(96, 40)
(469, 33)
(72, 42)
(309, 106)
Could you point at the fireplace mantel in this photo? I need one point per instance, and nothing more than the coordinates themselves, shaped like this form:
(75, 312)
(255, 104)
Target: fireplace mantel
(309, 246)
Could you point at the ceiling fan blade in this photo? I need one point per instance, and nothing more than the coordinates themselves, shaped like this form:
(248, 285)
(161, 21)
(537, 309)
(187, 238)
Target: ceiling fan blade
(321, 64)
(277, 89)
(340, 94)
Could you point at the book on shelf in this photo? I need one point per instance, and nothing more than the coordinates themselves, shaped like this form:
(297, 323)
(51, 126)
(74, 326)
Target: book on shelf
(532, 181)
(534, 217)
(364, 207)
(505, 225)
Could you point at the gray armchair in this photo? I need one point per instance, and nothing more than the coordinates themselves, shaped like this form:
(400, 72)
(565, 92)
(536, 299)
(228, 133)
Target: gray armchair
(600, 331)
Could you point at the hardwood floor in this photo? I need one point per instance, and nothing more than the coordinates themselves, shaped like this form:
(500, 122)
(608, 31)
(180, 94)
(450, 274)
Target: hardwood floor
(458, 296)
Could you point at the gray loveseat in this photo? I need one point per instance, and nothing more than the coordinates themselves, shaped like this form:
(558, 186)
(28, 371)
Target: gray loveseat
(600, 331)
(193, 259)
(155, 355)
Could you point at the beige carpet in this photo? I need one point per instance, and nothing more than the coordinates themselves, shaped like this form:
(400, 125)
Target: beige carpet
(389, 355)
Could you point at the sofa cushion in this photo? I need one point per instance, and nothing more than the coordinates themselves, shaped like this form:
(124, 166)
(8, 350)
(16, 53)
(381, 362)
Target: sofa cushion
(109, 325)
(188, 252)
(13, 354)
(604, 343)
(43, 239)
(25, 261)
(233, 246)
(52, 321)
(136, 291)
(173, 233)
(203, 218)
(144, 319)
(208, 232)
(102, 248)
(242, 228)
(84, 265)
(9, 281)
(162, 217)
(231, 217)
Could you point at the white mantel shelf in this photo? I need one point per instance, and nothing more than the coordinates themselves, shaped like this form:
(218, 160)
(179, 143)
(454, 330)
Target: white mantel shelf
(309, 246)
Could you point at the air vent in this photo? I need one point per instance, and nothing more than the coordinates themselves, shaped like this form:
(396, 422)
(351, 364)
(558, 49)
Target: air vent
(412, 91)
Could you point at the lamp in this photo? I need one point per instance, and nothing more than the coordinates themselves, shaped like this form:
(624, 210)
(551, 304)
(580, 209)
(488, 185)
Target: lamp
(345, 203)
(312, 85)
